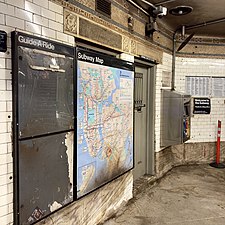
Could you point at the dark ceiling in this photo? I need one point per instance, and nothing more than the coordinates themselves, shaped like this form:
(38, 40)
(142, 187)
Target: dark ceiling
(203, 11)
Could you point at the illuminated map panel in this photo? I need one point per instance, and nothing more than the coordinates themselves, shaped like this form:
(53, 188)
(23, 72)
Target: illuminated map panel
(104, 119)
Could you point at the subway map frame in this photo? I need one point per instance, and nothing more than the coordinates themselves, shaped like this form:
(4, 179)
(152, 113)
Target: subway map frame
(105, 138)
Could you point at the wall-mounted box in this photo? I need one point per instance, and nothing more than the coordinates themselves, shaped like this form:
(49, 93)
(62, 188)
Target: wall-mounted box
(3, 41)
(175, 118)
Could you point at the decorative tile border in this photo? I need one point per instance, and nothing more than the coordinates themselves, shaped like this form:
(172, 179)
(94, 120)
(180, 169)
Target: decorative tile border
(72, 14)
(70, 23)
(126, 44)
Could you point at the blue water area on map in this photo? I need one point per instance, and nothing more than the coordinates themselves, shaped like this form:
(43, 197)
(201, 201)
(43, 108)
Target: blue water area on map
(126, 74)
(91, 116)
(81, 173)
(88, 90)
(116, 77)
(85, 89)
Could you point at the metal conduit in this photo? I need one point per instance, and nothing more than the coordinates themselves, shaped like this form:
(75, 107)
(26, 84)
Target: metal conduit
(148, 3)
(222, 20)
(164, 2)
(174, 60)
(139, 7)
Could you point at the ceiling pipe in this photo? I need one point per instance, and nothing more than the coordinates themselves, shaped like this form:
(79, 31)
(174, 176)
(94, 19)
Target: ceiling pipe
(150, 4)
(174, 60)
(139, 7)
(183, 30)
(222, 20)
(164, 2)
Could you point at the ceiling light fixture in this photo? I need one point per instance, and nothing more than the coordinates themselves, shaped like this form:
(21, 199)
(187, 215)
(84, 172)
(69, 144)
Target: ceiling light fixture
(181, 10)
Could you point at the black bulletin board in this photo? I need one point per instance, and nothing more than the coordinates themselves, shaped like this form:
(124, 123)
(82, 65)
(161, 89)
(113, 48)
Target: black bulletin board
(43, 100)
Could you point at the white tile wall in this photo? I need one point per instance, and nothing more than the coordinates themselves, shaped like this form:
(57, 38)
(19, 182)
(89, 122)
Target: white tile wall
(48, 32)
(48, 14)
(40, 20)
(17, 3)
(39, 17)
(2, 19)
(165, 66)
(34, 28)
(42, 3)
(203, 127)
(30, 7)
(55, 8)
(23, 14)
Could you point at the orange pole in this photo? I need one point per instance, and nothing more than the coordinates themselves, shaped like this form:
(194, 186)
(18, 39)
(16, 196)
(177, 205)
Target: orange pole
(218, 143)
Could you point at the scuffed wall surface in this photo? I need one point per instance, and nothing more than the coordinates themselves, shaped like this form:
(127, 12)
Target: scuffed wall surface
(191, 153)
(97, 206)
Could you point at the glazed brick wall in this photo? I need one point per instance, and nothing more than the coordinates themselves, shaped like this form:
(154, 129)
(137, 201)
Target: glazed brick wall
(203, 127)
(165, 66)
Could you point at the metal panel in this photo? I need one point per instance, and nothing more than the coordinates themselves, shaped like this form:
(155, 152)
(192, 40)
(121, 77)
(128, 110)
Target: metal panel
(45, 175)
(104, 7)
(140, 119)
(175, 118)
(45, 90)
(138, 92)
(144, 63)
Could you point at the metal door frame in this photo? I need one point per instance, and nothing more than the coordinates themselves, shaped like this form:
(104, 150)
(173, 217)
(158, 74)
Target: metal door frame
(150, 134)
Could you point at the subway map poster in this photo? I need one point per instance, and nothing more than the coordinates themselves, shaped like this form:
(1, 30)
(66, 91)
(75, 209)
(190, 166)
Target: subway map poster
(104, 119)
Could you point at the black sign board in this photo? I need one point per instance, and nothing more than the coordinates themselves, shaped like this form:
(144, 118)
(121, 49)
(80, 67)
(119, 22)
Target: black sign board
(3, 41)
(202, 106)
(102, 59)
(30, 41)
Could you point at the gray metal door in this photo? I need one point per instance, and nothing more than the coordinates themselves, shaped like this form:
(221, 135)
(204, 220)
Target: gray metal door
(140, 121)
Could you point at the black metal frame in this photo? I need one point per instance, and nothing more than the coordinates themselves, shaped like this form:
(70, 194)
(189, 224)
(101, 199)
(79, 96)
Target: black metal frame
(15, 129)
(60, 49)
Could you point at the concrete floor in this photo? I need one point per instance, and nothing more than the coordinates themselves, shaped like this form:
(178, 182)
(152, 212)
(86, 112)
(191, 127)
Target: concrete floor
(187, 195)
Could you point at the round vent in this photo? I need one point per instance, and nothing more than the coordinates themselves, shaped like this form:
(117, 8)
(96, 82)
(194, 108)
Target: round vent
(181, 10)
